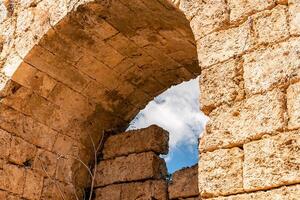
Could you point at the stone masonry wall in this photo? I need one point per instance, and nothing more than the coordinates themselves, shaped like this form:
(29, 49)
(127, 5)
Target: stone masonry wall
(131, 169)
(250, 60)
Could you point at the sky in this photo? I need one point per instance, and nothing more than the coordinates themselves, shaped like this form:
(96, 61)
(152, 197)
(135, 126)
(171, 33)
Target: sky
(177, 111)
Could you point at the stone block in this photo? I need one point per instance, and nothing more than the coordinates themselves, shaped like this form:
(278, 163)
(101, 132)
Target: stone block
(184, 183)
(220, 46)
(221, 172)
(244, 121)
(271, 25)
(294, 16)
(283, 193)
(131, 168)
(228, 78)
(22, 152)
(45, 162)
(151, 189)
(33, 185)
(12, 178)
(26, 128)
(267, 68)
(205, 16)
(272, 162)
(293, 105)
(5, 140)
(34, 79)
(240, 9)
(152, 138)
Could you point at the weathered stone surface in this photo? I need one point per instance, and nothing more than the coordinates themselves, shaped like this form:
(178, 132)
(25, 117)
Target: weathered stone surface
(26, 128)
(228, 78)
(130, 168)
(33, 185)
(222, 45)
(45, 162)
(240, 9)
(221, 172)
(271, 25)
(205, 16)
(272, 162)
(294, 16)
(244, 121)
(5, 139)
(268, 67)
(152, 189)
(283, 193)
(293, 105)
(12, 178)
(152, 138)
(184, 183)
(23, 151)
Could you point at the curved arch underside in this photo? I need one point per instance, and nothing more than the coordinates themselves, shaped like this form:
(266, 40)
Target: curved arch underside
(93, 72)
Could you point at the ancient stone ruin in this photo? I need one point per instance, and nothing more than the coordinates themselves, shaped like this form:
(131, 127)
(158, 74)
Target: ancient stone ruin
(74, 73)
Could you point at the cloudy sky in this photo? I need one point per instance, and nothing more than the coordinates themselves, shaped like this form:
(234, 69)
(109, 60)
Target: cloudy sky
(177, 111)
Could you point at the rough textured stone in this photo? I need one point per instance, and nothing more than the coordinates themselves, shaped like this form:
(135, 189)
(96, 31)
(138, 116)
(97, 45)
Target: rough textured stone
(270, 26)
(184, 183)
(228, 78)
(138, 190)
(222, 45)
(240, 9)
(293, 103)
(23, 152)
(294, 13)
(283, 193)
(5, 139)
(33, 185)
(244, 121)
(205, 16)
(152, 138)
(14, 184)
(130, 168)
(268, 67)
(272, 162)
(221, 172)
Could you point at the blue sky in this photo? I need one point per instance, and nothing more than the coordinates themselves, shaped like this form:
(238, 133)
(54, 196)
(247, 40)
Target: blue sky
(177, 111)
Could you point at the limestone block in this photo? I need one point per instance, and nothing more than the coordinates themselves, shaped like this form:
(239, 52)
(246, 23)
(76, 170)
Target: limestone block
(5, 139)
(283, 193)
(266, 68)
(152, 138)
(271, 25)
(222, 45)
(12, 178)
(221, 172)
(45, 162)
(33, 185)
(131, 168)
(184, 183)
(293, 105)
(205, 16)
(294, 16)
(244, 121)
(151, 189)
(227, 77)
(34, 79)
(26, 128)
(22, 151)
(272, 162)
(240, 9)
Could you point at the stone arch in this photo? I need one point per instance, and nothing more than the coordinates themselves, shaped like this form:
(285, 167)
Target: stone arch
(90, 73)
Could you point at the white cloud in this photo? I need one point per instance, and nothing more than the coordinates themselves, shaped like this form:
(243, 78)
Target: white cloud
(177, 111)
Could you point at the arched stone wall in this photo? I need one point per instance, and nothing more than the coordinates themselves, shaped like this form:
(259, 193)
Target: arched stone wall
(69, 77)
(93, 71)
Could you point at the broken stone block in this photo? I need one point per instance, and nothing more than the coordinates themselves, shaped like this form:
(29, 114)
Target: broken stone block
(130, 168)
(152, 138)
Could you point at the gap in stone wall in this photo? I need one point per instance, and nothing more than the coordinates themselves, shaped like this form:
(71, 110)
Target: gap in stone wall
(177, 111)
